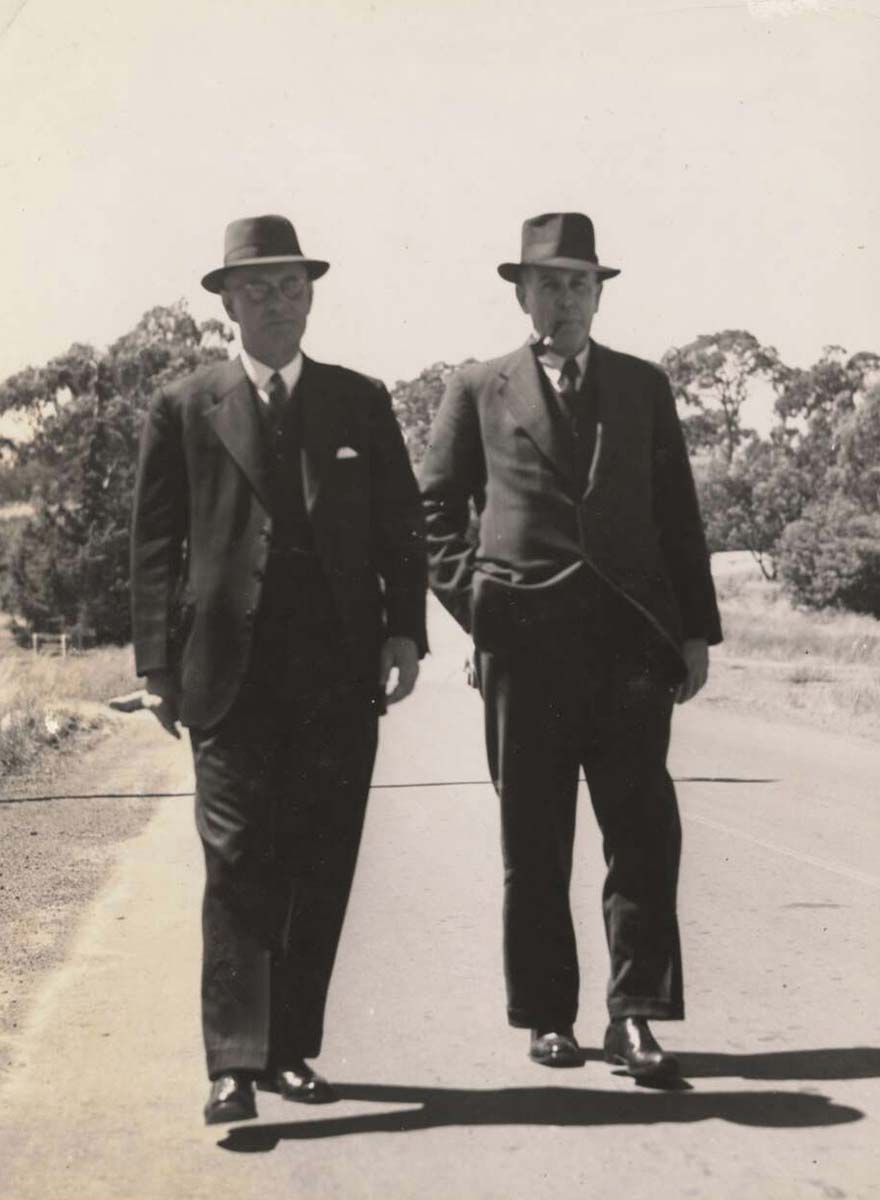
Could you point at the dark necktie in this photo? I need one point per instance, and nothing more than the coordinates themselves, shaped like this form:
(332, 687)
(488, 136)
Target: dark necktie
(582, 418)
(568, 381)
(277, 394)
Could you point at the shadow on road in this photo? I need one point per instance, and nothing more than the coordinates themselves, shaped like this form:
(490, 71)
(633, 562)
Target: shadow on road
(95, 796)
(440, 1107)
(721, 779)
(854, 1062)
(848, 1062)
(377, 787)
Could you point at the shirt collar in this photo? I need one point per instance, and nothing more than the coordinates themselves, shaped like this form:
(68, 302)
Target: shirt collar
(259, 374)
(556, 361)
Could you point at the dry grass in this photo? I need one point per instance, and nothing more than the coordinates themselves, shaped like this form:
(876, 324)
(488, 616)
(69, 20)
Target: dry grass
(91, 675)
(759, 621)
(816, 668)
(44, 699)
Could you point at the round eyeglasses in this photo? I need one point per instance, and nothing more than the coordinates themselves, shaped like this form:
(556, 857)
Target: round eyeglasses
(259, 290)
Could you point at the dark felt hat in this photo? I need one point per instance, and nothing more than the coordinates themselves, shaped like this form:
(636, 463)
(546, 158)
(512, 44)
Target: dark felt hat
(260, 242)
(562, 240)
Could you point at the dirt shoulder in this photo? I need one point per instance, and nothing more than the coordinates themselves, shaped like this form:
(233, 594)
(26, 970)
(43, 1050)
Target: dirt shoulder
(820, 670)
(835, 697)
(61, 826)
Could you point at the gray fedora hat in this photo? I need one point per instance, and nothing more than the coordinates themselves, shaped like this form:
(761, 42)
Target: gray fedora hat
(260, 242)
(565, 240)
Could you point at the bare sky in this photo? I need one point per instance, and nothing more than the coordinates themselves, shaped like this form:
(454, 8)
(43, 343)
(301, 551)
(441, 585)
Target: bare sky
(727, 152)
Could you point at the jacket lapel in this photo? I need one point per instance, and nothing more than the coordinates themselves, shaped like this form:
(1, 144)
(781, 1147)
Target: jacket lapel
(524, 395)
(236, 422)
(603, 405)
(323, 427)
(614, 415)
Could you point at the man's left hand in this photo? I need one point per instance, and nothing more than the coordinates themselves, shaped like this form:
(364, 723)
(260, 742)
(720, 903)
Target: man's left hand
(399, 654)
(695, 652)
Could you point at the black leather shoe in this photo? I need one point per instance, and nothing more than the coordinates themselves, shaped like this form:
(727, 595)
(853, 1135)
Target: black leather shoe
(630, 1043)
(231, 1099)
(300, 1083)
(555, 1049)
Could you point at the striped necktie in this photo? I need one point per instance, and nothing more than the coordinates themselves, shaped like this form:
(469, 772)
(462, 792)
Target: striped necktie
(568, 380)
(277, 394)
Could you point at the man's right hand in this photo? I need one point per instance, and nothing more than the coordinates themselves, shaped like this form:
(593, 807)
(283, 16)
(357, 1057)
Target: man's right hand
(162, 698)
(160, 695)
(162, 706)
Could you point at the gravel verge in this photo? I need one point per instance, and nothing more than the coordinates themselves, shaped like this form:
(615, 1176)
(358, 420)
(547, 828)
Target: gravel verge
(59, 837)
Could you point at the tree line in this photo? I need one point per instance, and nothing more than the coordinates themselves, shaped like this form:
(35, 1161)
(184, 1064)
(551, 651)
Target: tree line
(67, 565)
(804, 498)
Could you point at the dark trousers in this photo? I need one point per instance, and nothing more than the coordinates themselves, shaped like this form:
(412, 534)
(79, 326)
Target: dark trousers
(281, 791)
(600, 698)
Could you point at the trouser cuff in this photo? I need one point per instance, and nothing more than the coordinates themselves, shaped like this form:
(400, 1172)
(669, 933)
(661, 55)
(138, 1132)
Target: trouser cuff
(643, 1006)
(521, 1020)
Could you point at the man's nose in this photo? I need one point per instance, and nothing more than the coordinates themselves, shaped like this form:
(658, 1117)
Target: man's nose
(276, 301)
(276, 293)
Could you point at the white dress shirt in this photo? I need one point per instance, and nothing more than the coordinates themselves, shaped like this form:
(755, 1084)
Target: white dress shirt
(553, 364)
(259, 374)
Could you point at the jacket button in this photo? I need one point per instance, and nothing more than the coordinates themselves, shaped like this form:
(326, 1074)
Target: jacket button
(259, 574)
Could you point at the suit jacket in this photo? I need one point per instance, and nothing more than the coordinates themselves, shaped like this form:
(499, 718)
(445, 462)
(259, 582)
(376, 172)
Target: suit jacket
(203, 525)
(500, 443)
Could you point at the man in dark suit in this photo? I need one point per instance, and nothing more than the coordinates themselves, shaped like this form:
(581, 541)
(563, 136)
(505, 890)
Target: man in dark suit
(588, 594)
(278, 586)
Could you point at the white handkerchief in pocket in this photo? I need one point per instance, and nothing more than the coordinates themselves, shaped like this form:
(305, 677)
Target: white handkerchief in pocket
(346, 452)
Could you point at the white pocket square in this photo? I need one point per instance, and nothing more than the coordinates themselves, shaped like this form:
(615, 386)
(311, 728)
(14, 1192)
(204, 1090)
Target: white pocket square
(346, 452)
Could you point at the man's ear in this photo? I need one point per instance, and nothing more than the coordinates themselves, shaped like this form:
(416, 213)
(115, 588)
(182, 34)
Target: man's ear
(521, 295)
(227, 304)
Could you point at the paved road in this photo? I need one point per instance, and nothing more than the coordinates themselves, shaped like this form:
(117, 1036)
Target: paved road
(779, 904)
